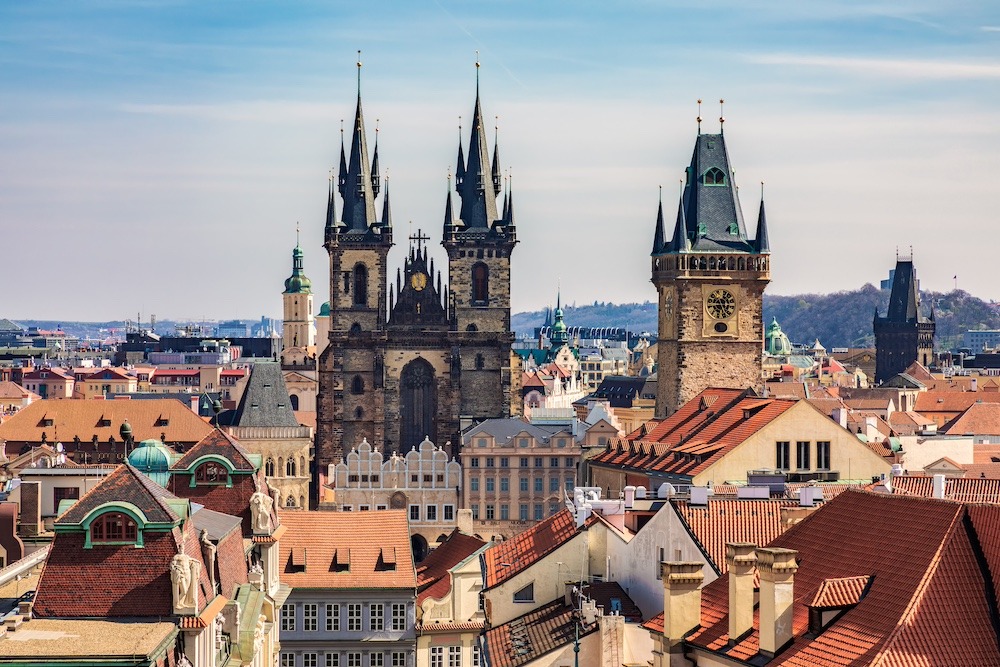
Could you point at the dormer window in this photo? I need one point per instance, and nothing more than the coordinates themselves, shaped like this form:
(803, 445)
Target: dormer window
(714, 176)
(114, 527)
(104, 421)
(211, 473)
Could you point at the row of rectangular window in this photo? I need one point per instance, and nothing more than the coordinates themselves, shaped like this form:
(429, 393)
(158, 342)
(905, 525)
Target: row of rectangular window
(523, 483)
(538, 514)
(505, 462)
(454, 656)
(351, 659)
(523, 442)
(431, 512)
(803, 448)
(376, 617)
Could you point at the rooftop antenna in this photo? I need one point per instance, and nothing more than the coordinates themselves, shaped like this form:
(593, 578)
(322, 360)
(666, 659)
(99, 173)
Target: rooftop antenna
(699, 117)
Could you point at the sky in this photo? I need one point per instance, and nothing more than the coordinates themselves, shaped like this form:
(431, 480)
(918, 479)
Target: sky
(157, 155)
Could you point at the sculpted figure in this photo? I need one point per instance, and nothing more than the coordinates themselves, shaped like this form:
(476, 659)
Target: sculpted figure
(180, 577)
(260, 509)
(208, 551)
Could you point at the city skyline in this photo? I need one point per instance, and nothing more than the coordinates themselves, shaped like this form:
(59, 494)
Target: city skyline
(214, 128)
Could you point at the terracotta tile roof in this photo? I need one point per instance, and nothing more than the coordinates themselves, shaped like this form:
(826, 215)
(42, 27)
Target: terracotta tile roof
(952, 401)
(982, 470)
(958, 489)
(433, 579)
(12, 390)
(840, 593)
(977, 419)
(505, 559)
(604, 593)
(867, 403)
(451, 626)
(220, 443)
(924, 606)
(918, 372)
(531, 636)
(125, 484)
(531, 379)
(79, 418)
(329, 541)
(701, 432)
(722, 521)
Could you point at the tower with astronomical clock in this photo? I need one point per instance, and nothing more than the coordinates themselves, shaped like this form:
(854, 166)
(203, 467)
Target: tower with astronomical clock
(710, 278)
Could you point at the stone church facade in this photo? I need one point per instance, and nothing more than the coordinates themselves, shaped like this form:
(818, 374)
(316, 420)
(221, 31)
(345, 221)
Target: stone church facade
(710, 278)
(415, 358)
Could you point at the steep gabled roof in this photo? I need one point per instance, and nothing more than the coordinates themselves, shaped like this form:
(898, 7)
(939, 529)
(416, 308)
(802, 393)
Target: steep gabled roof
(125, 484)
(433, 578)
(218, 443)
(977, 419)
(505, 559)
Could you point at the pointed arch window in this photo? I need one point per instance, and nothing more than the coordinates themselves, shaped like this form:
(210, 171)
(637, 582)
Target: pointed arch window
(360, 285)
(269, 467)
(290, 468)
(480, 284)
(714, 176)
(357, 385)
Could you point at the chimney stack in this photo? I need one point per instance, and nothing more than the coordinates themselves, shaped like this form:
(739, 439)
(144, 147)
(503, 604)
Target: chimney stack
(740, 560)
(777, 568)
(938, 486)
(629, 497)
(681, 603)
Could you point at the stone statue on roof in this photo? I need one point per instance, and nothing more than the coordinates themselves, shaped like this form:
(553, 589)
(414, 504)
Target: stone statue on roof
(260, 510)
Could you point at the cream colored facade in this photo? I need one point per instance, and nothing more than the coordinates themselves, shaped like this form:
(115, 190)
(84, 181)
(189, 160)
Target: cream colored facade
(454, 619)
(425, 482)
(285, 451)
(302, 388)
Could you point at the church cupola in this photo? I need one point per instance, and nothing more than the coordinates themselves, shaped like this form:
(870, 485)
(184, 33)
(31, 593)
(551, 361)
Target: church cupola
(297, 283)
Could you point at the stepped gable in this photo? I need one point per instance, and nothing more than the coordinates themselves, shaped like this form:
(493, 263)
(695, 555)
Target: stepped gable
(924, 604)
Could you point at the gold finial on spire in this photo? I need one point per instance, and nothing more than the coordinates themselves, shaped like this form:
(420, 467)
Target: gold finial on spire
(722, 116)
(359, 72)
(477, 71)
(699, 117)
(661, 192)
(376, 127)
(296, 233)
(341, 129)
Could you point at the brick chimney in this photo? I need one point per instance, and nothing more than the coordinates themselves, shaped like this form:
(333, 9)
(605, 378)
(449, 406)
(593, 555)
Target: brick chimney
(740, 560)
(777, 568)
(681, 603)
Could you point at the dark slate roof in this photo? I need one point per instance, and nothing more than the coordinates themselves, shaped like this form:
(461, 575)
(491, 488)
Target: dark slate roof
(477, 185)
(711, 210)
(503, 430)
(265, 401)
(604, 593)
(125, 484)
(358, 211)
(217, 524)
(220, 444)
(619, 390)
(904, 300)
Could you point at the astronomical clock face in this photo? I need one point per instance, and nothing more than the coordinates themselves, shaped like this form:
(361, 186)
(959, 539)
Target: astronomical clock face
(418, 281)
(721, 304)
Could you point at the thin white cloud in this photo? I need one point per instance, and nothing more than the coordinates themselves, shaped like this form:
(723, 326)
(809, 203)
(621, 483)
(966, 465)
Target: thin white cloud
(906, 68)
(990, 28)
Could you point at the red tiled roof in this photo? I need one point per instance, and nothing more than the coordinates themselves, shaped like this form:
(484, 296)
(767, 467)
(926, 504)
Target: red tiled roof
(433, 579)
(219, 443)
(952, 401)
(125, 484)
(507, 558)
(723, 521)
(531, 636)
(977, 419)
(840, 593)
(347, 539)
(958, 489)
(701, 432)
(925, 604)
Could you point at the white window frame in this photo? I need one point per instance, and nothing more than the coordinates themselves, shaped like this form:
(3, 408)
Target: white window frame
(288, 618)
(355, 622)
(376, 616)
(398, 616)
(310, 617)
(332, 617)
(431, 512)
(454, 656)
(448, 511)
(437, 656)
(310, 659)
(332, 660)
(417, 508)
(354, 659)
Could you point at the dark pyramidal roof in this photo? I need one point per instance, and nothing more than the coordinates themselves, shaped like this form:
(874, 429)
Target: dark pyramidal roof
(904, 300)
(265, 401)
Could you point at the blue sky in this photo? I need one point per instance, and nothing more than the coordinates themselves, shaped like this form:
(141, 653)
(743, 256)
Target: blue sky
(155, 156)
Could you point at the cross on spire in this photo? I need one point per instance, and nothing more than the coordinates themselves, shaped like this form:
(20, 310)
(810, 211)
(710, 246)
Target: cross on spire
(419, 237)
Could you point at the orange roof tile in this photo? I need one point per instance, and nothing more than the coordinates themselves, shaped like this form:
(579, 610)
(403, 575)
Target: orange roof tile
(840, 593)
(959, 489)
(951, 401)
(978, 419)
(329, 541)
(433, 579)
(505, 559)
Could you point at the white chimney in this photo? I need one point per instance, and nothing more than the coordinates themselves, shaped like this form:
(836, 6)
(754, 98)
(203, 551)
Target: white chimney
(740, 559)
(629, 497)
(806, 496)
(640, 492)
(840, 416)
(974, 385)
(583, 513)
(776, 567)
(699, 495)
(938, 485)
(665, 490)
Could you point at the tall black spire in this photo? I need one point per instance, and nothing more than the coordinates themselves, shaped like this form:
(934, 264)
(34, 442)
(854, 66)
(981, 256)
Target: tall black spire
(375, 174)
(477, 188)
(357, 188)
(711, 203)
(680, 241)
(760, 241)
(386, 212)
(659, 236)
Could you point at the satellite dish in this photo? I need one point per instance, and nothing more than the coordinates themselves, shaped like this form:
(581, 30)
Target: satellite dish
(59, 447)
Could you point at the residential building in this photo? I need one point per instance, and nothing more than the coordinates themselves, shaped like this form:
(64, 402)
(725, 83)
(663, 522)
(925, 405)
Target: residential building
(104, 381)
(723, 434)
(981, 340)
(426, 482)
(710, 279)
(352, 590)
(632, 400)
(905, 334)
(49, 382)
(13, 397)
(516, 473)
(397, 357)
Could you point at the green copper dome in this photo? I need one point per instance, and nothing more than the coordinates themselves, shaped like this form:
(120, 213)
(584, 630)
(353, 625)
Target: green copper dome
(297, 283)
(152, 458)
(776, 343)
(324, 310)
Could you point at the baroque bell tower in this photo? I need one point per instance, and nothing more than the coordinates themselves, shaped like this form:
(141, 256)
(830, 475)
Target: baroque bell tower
(710, 278)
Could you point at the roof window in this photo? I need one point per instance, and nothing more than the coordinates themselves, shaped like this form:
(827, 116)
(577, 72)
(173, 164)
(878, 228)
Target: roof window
(714, 176)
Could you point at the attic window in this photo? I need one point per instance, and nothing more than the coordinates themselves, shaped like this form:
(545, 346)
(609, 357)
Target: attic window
(114, 528)
(714, 176)
(526, 594)
(103, 421)
(211, 473)
(734, 229)
(162, 421)
(47, 421)
(297, 559)
(386, 560)
(702, 230)
(341, 561)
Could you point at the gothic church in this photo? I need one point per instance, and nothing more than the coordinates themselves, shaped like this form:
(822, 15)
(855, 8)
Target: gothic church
(415, 358)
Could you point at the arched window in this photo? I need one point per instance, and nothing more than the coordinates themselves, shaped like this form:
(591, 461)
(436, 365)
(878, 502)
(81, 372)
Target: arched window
(290, 468)
(355, 329)
(290, 502)
(472, 327)
(269, 467)
(359, 413)
(480, 284)
(294, 399)
(114, 527)
(360, 285)
(281, 463)
(357, 385)
(714, 176)
(211, 473)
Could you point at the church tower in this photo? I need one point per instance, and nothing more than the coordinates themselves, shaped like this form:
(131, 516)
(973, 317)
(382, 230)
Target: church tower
(904, 335)
(479, 243)
(348, 407)
(298, 339)
(710, 278)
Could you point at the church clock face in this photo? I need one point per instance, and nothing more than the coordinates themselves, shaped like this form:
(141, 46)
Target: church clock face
(418, 281)
(721, 304)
